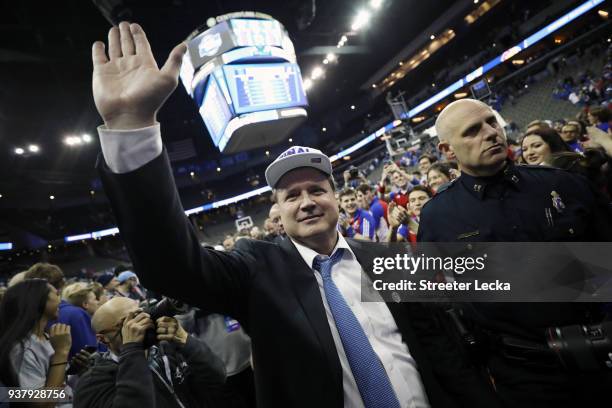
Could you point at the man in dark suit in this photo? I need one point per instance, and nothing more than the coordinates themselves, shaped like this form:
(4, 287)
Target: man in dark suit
(315, 343)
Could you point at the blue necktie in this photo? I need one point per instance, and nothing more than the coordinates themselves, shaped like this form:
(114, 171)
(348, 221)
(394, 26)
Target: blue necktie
(370, 375)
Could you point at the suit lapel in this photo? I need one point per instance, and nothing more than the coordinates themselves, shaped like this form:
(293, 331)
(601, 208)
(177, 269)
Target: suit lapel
(306, 290)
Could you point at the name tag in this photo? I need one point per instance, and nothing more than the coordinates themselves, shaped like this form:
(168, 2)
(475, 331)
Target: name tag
(468, 234)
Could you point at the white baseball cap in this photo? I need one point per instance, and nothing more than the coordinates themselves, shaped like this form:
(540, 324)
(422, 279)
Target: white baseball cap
(295, 157)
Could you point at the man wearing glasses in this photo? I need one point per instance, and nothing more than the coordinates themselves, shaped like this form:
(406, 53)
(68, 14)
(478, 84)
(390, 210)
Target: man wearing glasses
(179, 374)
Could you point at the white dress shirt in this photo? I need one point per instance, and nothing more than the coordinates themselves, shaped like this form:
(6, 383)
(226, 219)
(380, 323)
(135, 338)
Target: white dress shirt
(128, 150)
(379, 326)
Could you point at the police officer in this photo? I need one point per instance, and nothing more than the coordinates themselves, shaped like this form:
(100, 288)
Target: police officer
(495, 200)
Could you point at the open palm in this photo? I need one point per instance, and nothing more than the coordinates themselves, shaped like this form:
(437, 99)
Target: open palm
(128, 87)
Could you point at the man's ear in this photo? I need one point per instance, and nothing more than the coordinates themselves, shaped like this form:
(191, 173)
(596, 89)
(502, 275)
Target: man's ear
(443, 146)
(102, 339)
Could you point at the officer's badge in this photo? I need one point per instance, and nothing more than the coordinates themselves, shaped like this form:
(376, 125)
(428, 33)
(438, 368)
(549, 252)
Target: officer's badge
(557, 202)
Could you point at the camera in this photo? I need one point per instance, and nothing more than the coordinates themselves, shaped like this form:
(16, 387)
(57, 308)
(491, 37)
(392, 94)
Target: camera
(354, 173)
(156, 309)
(582, 347)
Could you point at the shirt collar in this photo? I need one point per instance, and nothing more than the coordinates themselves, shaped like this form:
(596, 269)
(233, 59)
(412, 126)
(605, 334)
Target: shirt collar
(308, 254)
(477, 186)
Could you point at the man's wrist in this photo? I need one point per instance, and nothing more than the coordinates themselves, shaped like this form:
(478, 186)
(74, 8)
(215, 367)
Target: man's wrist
(128, 121)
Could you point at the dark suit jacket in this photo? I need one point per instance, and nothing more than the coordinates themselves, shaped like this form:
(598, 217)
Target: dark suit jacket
(274, 294)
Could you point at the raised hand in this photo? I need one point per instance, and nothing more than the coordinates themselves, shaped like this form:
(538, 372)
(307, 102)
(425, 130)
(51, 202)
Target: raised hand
(59, 336)
(135, 327)
(169, 329)
(128, 87)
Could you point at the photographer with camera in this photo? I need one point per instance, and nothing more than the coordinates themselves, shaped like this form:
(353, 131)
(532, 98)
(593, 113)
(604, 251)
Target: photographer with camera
(178, 371)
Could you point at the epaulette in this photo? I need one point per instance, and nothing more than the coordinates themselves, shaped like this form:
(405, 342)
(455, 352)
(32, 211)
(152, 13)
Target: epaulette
(445, 187)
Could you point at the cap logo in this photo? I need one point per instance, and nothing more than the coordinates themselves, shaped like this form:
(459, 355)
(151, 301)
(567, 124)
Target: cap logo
(292, 151)
(315, 160)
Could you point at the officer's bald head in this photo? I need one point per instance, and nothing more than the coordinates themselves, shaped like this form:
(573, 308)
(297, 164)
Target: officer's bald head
(451, 115)
(475, 134)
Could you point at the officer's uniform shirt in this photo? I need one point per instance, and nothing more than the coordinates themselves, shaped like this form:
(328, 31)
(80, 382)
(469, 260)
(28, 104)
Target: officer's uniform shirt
(519, 204)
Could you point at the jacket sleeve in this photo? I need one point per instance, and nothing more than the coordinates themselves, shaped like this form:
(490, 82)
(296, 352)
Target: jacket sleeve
(206, 368)
(163, 244)
(133, 385)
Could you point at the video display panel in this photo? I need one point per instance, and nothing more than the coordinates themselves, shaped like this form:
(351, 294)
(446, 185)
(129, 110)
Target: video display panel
(215, 111)
(257, 87)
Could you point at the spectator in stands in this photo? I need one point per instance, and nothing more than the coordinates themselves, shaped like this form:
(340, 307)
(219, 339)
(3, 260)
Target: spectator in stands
(228, 243)
(538, 144)
(49, 272)
(135, 374)
(570, 133)
(536, 124)
(256, 233)
(356, 222)
(593, 163)
(80, 304)
(127, 284)
(417, 198)
(438, 175)
(367, 200)
(425, 162)
(18, 277)
(109, 283)
(599, 116)
(232, 345)
(100, 293)
(275, 218)
(29, 357)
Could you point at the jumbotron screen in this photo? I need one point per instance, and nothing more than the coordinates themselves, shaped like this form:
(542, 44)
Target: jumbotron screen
(252, 32)
(257, 87)
(215, 111)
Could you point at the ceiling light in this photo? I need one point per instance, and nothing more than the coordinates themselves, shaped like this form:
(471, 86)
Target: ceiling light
(290, 140)
(92, 192)
(316, 72)
(330, 57)
(192, 174)
(373, 85)
(325, 61)
(518, 62)
(401, 63)
(33, 148)
(432, 37)
(267, 152)
(86, 138)
(343, 39)
(51, 197)
(361, 19)
(218, 169)
(19, 151)
(375, 4)
(433, 85)
(460, 95)
(602, 13)
(307, 84)
(352, 107)
(475, 1)
(0, 195)
(324, 129)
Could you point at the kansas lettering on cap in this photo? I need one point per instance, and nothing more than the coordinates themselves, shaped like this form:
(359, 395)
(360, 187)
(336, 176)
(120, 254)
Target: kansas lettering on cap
(296, 157)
